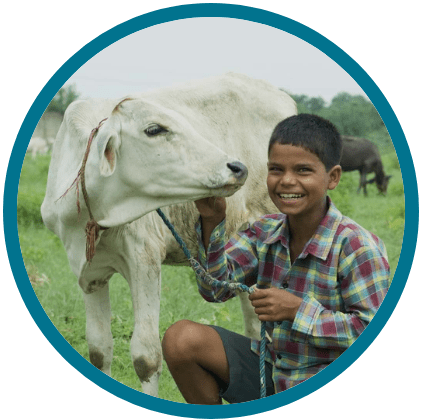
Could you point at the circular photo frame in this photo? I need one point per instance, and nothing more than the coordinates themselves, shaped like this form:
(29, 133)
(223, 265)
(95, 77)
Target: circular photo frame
(180, 13)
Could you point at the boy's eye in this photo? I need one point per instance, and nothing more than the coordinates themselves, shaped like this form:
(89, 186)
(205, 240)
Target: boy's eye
(273, 169)
(305, 170)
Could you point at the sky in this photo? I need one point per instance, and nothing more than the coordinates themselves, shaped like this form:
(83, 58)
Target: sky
(187, 49)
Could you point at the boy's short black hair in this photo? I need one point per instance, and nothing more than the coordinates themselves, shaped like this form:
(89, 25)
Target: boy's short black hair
(313, 133)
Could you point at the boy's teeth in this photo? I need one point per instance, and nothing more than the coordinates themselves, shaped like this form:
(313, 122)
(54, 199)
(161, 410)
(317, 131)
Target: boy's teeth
(291, 195)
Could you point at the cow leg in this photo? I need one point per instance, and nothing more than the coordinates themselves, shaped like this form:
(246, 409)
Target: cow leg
(252, 323)
(366, 169)
(98, 329)
(145, 344)
(361, 179)
(363, 182)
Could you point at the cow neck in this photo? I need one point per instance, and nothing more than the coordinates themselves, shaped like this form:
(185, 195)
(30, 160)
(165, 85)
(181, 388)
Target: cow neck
(92, 228)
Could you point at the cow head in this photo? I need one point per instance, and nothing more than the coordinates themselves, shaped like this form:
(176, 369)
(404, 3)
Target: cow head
(146, 156)
(381, 182)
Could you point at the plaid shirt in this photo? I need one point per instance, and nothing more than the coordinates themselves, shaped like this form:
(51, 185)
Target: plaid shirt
(342, 275)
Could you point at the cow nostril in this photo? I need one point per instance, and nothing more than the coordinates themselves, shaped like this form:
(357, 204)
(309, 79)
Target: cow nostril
(235, 168)
(238, 168)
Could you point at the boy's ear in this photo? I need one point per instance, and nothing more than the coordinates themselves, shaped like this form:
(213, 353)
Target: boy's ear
(334, 175)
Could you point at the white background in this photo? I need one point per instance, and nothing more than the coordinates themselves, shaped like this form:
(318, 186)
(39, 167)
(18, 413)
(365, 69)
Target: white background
(385, 40)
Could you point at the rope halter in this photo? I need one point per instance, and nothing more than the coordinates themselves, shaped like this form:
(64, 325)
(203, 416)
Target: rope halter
(92, 228)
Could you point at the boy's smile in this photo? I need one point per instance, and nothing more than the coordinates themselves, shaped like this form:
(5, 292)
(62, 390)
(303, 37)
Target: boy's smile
(298, 181)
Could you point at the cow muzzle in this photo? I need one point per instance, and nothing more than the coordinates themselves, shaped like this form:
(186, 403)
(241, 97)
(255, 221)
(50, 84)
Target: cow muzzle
(232, 180)
(239, 170)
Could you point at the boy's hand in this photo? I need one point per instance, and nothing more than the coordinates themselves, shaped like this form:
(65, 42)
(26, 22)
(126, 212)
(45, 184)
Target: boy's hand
(213, 212)
(275, 304)
(212, 208)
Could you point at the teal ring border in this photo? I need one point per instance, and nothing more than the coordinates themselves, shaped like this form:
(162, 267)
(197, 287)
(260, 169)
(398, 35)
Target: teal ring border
(185, 12)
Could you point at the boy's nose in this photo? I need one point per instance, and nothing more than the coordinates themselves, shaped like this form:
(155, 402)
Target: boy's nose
(288, 179)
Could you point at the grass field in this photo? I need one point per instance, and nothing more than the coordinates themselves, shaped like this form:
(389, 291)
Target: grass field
(57, 290)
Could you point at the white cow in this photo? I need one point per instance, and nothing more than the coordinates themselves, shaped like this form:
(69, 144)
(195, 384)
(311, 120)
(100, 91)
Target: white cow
(164, 149)
(37, 146)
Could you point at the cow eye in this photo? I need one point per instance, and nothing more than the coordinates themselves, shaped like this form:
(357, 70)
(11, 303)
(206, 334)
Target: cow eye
(154, 129)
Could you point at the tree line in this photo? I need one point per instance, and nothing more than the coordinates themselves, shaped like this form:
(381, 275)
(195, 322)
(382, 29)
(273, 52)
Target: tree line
(62, 99)
(353, 115)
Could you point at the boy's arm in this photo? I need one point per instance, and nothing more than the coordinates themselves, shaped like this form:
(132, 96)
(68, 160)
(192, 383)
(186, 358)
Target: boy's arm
(235, 261)
(213, 212)
(364, 280)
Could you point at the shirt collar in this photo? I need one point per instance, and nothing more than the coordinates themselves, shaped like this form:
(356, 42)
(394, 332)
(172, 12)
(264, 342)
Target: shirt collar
(320, 243)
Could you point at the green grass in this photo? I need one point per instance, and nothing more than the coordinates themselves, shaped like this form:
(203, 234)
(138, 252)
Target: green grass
(57, 290)
(59, 294)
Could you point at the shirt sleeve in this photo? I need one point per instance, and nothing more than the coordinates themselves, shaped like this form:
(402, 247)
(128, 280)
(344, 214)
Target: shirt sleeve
(234, 261)
(363, 276)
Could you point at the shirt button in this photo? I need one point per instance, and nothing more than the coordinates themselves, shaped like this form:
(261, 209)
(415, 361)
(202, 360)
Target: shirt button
(285, 285)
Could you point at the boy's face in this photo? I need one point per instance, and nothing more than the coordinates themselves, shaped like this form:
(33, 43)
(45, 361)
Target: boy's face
(298, 181)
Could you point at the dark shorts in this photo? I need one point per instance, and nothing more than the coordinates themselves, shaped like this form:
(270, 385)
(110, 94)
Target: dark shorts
(244, 369)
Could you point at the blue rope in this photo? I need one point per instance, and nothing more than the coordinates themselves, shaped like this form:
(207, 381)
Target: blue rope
(232, 286)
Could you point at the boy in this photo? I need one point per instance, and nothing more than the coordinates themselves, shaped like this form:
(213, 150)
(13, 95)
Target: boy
(320, 276)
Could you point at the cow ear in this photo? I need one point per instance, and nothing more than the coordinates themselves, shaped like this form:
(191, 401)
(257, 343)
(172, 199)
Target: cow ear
(108, 148)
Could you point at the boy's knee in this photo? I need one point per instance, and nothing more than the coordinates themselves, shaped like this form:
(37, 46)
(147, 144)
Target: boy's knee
(181, 340)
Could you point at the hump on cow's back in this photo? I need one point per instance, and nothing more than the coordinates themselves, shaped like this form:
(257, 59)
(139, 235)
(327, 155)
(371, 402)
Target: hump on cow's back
(82, 116)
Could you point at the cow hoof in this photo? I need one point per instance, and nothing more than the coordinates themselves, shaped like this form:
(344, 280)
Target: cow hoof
(97, 359)
(145, 367)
